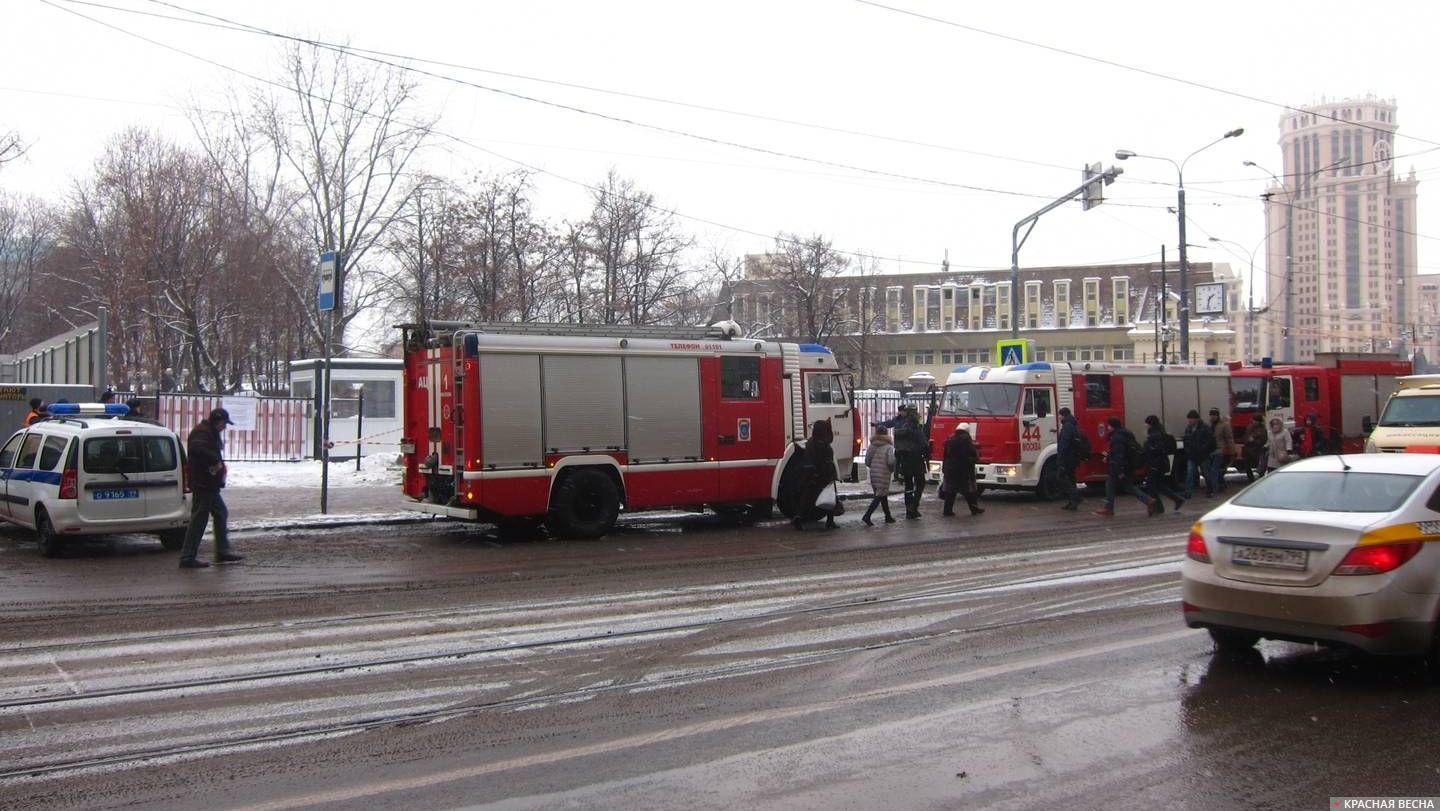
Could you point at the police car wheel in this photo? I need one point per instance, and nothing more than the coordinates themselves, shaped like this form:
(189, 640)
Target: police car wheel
(585, 505)
(51, 544)
(172, 539)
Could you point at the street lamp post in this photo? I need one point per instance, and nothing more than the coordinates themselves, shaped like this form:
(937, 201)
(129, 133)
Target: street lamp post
(1250, 289)
(1125, 154)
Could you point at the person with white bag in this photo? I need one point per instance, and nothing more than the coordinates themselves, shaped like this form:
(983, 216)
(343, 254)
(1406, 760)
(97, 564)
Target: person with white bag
(880, 462)
(819, 479)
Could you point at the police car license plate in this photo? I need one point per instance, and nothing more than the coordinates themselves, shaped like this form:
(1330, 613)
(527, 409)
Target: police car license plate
(1269, 557)
(107, 495)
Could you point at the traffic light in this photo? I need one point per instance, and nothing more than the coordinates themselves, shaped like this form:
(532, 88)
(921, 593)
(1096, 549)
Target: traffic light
(1094, 181)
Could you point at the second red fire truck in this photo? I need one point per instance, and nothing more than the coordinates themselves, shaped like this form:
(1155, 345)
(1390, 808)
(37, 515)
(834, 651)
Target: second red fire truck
(570, 425)
(1011, 413)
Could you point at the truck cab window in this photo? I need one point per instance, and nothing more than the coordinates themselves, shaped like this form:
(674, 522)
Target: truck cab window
(1037, 403)
(1279, 394)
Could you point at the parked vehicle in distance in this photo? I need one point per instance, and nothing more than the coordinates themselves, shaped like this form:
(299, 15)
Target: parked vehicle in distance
(1411, 419)
(1341, 550)
(1345, 391)
(86, 470)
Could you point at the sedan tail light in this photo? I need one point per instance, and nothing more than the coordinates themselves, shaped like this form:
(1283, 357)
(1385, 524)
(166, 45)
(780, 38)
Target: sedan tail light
(1195, 548)
(69, 486)
(1377, 559)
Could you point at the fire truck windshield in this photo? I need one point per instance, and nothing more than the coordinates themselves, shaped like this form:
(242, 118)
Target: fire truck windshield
(979, 398)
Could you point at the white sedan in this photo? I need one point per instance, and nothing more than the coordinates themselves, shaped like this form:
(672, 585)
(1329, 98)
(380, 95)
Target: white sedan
(1340, 550)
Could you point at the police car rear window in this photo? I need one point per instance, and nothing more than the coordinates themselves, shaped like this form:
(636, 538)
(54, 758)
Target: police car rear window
(129, 454)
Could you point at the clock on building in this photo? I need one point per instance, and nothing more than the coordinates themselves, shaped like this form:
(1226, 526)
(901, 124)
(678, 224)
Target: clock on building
(1209, 299)
(1382, 157)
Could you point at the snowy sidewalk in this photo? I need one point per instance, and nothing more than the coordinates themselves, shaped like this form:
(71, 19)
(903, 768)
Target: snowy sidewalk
(275, 495)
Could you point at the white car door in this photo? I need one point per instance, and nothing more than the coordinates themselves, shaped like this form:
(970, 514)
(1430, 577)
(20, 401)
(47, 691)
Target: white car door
(7, 471)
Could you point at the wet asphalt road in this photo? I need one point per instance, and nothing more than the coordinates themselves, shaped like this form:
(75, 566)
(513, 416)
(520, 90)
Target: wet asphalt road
(1027, 658)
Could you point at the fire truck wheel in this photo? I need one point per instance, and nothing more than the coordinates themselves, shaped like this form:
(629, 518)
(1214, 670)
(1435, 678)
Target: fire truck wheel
(585, 505)
(1048, 488)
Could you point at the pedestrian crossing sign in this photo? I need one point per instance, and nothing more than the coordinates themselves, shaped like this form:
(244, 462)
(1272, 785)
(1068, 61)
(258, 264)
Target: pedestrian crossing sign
(1015, 351)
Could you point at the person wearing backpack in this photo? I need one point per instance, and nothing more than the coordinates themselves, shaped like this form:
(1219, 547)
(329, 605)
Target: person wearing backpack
(1156, 452)
(1071, 448)
(1121, 459)
(1199, 444)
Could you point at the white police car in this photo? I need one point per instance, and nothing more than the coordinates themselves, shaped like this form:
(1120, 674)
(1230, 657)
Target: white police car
(86, 470)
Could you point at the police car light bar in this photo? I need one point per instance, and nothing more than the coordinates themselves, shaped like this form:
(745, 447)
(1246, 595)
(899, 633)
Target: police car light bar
(88, 409)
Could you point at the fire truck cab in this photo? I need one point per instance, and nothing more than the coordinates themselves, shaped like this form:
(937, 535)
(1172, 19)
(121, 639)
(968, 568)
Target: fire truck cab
(571, 424)
(1010, 411)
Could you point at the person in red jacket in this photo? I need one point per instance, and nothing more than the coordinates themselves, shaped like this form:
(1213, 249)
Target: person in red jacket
(205, 449)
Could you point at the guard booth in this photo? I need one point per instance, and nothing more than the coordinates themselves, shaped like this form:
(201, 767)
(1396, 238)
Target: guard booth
(365, 403)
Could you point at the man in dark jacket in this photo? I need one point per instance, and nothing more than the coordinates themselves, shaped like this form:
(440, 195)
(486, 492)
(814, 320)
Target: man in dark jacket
(1068, 458)
(1156, 456)
(1199, 443)
(1121, 459)
(205, 449)
(911, 448)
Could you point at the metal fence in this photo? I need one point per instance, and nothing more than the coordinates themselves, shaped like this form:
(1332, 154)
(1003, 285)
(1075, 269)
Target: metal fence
(268, 429)
(878, 405)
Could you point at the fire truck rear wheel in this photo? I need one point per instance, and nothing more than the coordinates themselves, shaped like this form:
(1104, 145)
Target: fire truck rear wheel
(585, 505)
(1048, 487)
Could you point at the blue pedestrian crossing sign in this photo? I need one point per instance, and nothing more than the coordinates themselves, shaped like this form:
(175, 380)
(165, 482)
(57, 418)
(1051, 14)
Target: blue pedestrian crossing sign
(326, 299)
(1014, 351)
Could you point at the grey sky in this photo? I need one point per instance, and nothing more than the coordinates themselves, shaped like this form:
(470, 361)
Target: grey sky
(997, 126)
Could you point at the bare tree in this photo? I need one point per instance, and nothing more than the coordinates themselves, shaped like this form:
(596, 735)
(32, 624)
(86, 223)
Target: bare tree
(804, 271)
(347, 135)
(27, 228)
(11, 148)
(637, 249)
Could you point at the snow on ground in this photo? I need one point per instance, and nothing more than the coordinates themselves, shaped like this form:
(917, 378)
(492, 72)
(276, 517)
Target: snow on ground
(382, 469)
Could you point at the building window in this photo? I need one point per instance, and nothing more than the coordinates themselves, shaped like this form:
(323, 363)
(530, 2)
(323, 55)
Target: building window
(1121, 288)
(1032, 305)
(892, 309)
(1125, 352)
(897, 358)
(919, 306)
(925, 357)
(1002, 305)
(1062, 303)
(947, 308)
(977, 307)
(1092, 302)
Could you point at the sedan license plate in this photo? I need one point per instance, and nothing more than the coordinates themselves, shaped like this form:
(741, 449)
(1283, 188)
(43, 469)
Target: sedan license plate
(107, 495)
(1269, 557)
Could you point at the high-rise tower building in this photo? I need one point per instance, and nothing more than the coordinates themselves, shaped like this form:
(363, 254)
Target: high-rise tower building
(1341, 264)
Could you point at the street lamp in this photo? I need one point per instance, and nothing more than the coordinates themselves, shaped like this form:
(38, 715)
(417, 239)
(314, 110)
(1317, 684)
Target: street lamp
(1125, 154)
(1250, 289)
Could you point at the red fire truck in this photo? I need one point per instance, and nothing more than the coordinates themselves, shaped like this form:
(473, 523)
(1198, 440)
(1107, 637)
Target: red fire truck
(1010, 412)
(569, 424)
(1345, 392)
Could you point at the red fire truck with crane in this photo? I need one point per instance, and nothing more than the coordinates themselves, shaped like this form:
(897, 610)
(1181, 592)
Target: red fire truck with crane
(517, 424)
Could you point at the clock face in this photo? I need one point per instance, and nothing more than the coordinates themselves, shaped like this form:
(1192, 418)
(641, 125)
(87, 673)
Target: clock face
(1382, 157)
(1209, 299)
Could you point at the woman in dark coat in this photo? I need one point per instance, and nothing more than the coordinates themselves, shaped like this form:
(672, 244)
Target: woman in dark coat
(958, 468)
(820, 473)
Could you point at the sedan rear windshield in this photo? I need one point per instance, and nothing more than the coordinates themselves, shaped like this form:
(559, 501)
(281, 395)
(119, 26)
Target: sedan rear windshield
(1330, 491)
(971, 399)
(129, 454)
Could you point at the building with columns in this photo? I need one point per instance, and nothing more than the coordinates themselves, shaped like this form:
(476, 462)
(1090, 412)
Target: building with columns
(1340, 272)
(888, 327)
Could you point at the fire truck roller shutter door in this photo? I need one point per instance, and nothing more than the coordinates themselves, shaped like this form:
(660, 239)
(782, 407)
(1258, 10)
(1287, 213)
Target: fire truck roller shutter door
(584, 403)
(662, 400)
(510, 418)
(1143, 396)
(1179, 396)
